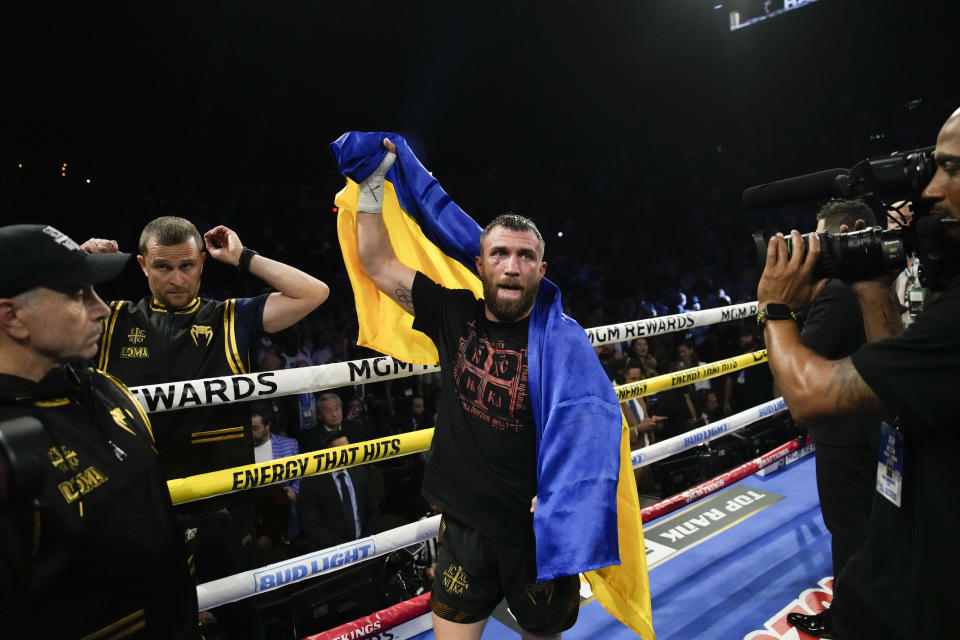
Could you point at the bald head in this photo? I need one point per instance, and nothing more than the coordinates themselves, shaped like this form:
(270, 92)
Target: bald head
(954, 118)
(944, 188)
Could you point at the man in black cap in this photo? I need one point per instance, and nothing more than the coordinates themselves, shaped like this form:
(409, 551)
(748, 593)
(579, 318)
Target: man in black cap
(89, 544)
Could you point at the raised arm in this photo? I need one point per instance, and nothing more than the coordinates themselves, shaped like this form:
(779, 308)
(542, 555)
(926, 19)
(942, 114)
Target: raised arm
(377, 256)
(297, 293)
(813, 387)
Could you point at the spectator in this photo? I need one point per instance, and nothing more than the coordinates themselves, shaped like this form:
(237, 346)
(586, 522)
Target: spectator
(337, 507)
(413, 418)
(749, 386)
(643, 427)
(270, 446)
(708, 406)
(640, 356)
(687, 359)
(611, 359)
(330, 408)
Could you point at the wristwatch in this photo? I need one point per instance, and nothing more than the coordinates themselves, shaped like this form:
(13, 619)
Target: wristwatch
(775, 311)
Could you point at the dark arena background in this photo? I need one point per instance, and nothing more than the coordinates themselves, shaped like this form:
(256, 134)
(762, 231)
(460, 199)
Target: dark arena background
(626, 129)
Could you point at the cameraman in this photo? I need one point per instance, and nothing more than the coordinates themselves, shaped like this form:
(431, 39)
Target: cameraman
(846, 447)
(95, 549)
(903, 583)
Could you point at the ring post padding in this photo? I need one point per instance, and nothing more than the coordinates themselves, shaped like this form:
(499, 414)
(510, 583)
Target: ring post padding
(650, 386)
(248, 583)
(302, 465)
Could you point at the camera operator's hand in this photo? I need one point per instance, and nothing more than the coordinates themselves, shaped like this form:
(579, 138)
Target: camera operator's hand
(787, 279)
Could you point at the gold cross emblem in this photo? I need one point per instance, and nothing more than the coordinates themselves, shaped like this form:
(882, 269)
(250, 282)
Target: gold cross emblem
(455, 580)
(63, 459)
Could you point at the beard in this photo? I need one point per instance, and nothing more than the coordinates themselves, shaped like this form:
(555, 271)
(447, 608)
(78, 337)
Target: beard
(941, 210)
(949, 235)
(508, 310)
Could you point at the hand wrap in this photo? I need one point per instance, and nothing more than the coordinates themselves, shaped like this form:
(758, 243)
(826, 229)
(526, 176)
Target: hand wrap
(371, 188)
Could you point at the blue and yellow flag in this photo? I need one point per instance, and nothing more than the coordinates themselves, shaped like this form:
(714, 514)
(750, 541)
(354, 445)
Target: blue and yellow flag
(587, 518)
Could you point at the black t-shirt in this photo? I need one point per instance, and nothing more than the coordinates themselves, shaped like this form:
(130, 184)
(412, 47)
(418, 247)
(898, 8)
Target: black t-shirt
(909, 571)
(834, 329)
(483, 461)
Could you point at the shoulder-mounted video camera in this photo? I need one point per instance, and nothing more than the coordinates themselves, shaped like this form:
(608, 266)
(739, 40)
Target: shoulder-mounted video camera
(870, 252)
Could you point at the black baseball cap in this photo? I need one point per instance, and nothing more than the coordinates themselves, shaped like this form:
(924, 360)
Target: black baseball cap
(36, 255)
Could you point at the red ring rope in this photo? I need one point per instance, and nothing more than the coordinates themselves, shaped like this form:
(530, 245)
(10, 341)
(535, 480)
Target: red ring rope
(713, 485)
(376, 622)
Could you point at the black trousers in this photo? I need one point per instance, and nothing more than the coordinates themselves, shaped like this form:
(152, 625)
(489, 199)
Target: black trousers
(845, 481)
(224, 542)
(853, 620)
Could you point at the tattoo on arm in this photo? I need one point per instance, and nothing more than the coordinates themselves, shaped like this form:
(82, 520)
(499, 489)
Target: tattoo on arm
(848, 390)
(891, 322)
(404, 296)
(881, 319)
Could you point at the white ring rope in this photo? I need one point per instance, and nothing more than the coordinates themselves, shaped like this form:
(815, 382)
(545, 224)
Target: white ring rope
(268, 384)
(670, 324)
(666, 448)
(274, 576)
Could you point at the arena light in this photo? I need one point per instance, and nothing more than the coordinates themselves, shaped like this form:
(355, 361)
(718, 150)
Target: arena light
(744, 13)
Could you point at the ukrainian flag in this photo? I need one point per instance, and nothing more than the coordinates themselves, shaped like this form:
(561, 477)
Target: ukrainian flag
(587, 518)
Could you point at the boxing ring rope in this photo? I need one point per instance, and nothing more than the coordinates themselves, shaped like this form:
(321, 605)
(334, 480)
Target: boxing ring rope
(666, 448)
(316, 563)
(661, 325)
(274, 576)
(671, 504)
(389, 618)
(268, 384)
(302, 465)
(684, 377)
(251, 476)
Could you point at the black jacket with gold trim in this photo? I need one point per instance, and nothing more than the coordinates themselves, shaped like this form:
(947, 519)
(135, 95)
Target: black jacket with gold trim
(147, 343)
(95, 551)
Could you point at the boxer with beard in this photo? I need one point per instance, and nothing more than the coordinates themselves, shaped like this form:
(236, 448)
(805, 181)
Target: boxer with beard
(482, 469)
